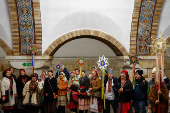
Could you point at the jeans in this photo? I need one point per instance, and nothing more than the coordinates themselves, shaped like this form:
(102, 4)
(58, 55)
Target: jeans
(139, 105)
(113, 104)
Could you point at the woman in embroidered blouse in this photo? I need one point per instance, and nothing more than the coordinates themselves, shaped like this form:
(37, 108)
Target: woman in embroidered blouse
(125, 90)
(95, 100)
(73, 86)
(8, 90)
(50, 93)
(62, 85)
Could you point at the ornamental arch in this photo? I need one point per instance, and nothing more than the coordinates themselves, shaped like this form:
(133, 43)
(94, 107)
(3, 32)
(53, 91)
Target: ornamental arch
(110, 41)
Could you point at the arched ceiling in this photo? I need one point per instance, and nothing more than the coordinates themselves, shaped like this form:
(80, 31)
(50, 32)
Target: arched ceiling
(5, 23)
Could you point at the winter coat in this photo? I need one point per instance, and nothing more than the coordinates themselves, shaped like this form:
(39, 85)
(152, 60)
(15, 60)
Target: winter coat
(50, 87)
(153, 96)
(26, 93)
(140, 91)
(5, 85)
(63, 86)
(96, 86)
(84, 82)
(126, 95)
(19, 85)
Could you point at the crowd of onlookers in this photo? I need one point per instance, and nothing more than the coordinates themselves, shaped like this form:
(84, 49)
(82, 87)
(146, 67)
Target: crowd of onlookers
(53, 93)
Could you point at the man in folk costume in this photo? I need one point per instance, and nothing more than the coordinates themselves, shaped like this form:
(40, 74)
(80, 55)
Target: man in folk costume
(20, 83)
(140, 92)
(8, 90)
(72, 93)
(95, 93)
(30, 92)
(83, 97)
(159, 106)
(109, 93)
(77, 72)
(62, 85)
(50, 93)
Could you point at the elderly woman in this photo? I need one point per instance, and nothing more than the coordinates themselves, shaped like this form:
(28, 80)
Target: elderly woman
(50, 92)
(30, 92)
(8, 89)
(62, 85)
(83, 97)
(94, 92)
(125, 90)
(73, 86)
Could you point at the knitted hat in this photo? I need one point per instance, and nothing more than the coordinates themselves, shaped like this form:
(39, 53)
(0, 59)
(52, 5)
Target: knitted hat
(110, 70)
(140, 72)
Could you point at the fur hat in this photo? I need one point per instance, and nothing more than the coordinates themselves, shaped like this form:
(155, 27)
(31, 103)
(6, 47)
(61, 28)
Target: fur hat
(110, 70)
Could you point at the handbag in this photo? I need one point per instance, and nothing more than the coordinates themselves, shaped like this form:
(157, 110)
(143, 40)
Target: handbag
(7, 97)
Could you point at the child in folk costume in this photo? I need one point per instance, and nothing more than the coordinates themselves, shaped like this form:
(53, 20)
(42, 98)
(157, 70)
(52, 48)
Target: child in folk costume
(62, 85)
(125, 89)
(95, 93)
(30, 92)
(110, 95)
(72, 93)
(83, 97)
(8, 90)
(50, 93)
(159, 106)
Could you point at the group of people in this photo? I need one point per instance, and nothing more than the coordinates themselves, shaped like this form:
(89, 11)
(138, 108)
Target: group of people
(52, 94)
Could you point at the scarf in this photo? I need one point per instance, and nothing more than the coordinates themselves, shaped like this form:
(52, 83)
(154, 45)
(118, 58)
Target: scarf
(33, 87)
(109, 85)
(11, 84)
(24, 80)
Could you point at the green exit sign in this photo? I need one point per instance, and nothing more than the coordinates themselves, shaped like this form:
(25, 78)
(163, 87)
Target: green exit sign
(27, 64)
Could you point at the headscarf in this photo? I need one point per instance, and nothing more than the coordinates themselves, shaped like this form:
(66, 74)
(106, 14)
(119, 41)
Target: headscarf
(126, 73)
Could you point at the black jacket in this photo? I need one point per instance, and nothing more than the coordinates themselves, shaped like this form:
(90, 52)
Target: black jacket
(50, 87)
(84, 82)
(141, 88)
(115, 85)
(126, 95)
(19, 84)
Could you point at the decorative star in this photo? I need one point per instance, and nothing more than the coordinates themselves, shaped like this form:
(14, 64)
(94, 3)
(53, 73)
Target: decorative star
(57, 66)
(102, 62)
(33, 49)
(159, 45)
(80, 61)
(133, 59)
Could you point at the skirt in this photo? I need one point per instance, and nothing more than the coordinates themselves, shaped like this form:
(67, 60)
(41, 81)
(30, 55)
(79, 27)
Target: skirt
(95, 104)
(120, 108)
(84, 104)
(49, 106)
(72, 105)
(61, 100)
